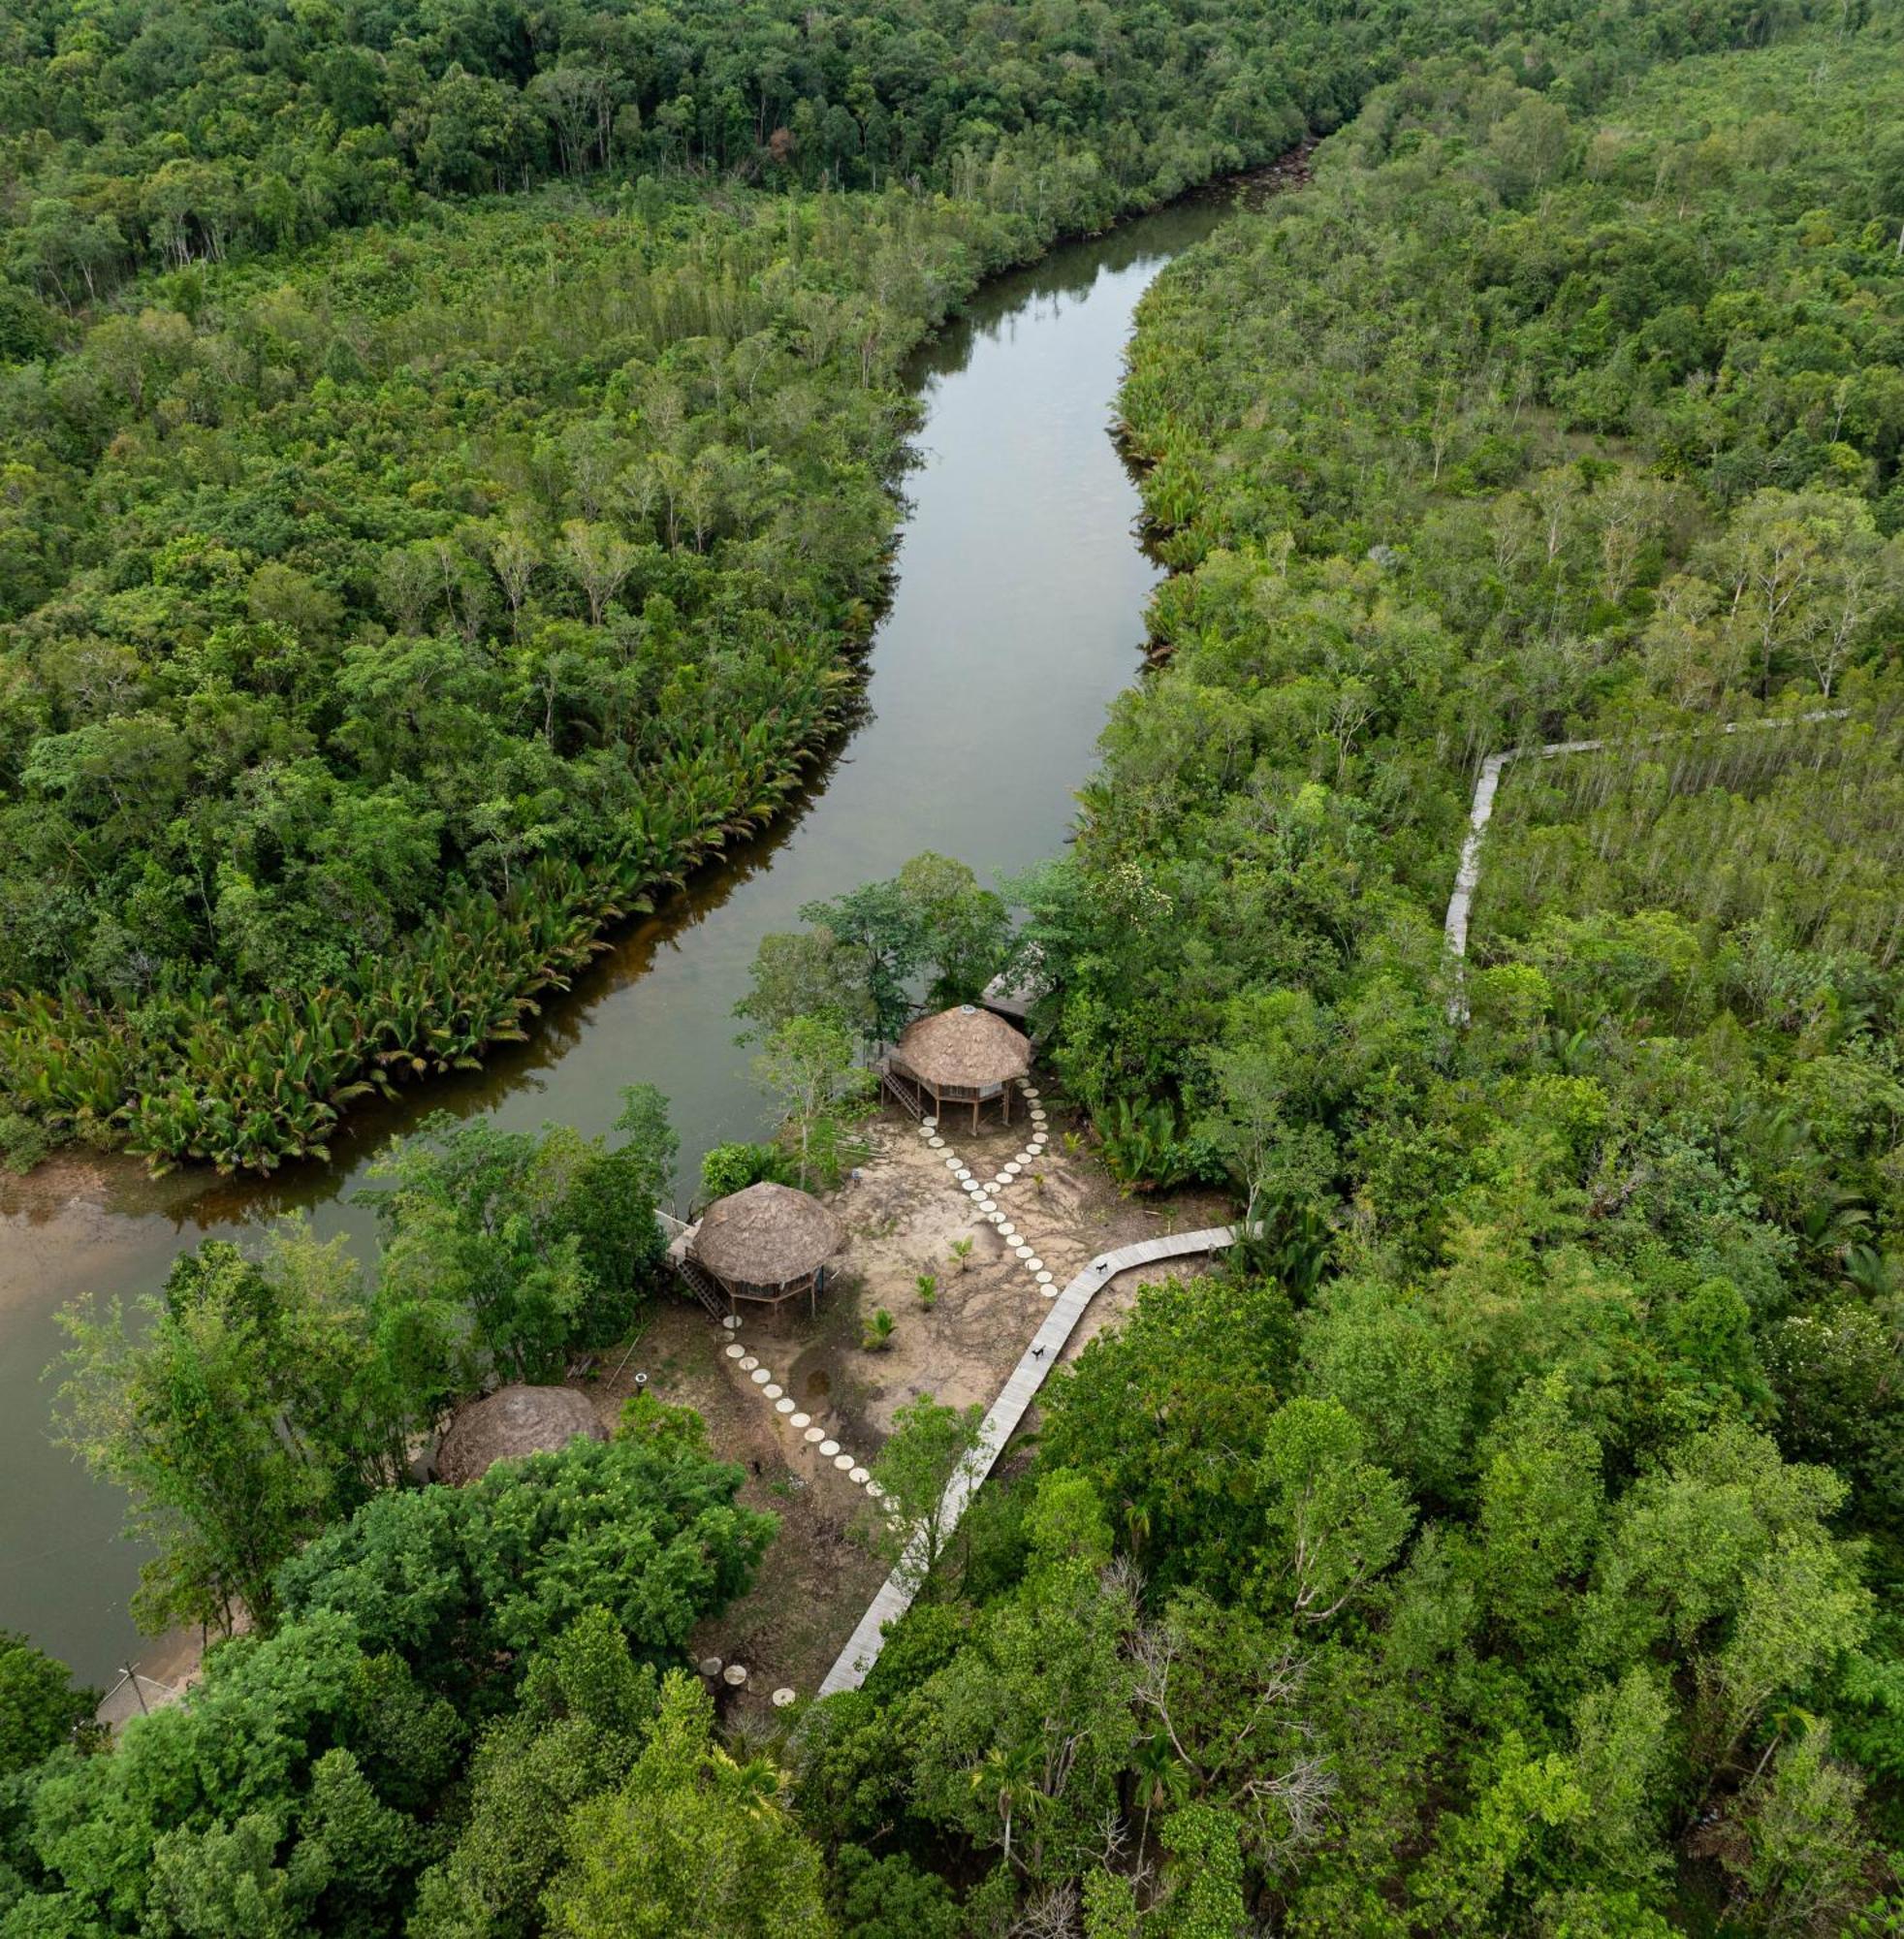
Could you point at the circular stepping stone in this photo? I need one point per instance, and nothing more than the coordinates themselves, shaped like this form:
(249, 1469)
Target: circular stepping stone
(842, 1462)
(801, 1420)
(1023, 1251)
(1014, 1167)
(953, 1163)
(783, 1697)
(935, 1142)
(829, 1449)
(1049, 1291)
(772, 1390)
(873, 1490)
(735, 1352)
(963, 1173)
(985, 1204)
(734, 1676)
(748, 1364)
(859, 1478)
(1033, 1263)
(815, 1434)
(783, 1405)
(760, 1377)
(1043, 1279)
(709, 1666)
(732, 1322)
(928, 1124)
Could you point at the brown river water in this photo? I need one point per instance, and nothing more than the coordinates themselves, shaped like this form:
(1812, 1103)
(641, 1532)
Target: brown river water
(1017, 617)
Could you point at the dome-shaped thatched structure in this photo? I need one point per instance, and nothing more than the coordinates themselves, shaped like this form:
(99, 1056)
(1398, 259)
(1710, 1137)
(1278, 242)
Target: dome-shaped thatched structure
(513, 1421)
(966, 1056)
(768, 1242)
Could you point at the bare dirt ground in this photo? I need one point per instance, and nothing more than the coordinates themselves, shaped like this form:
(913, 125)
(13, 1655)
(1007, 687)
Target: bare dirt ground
(902, 1214)
(902, 1217)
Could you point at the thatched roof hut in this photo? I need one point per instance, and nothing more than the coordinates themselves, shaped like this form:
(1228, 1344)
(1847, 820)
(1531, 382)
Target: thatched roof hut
(768, 1242)
(513, 1421)
(966, 1056)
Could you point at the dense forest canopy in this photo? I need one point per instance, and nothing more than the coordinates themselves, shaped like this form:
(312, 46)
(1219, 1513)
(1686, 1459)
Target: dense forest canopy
(397, 588)
(1507, 1538)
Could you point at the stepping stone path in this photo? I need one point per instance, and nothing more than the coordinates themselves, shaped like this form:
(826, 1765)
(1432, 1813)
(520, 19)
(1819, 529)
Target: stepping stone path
(1021, 1161)
(849, 1464)
(815, 1438)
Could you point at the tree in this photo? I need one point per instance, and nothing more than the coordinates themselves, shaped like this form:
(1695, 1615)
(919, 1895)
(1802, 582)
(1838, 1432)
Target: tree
(1018, 1742)
(1202, 1896)
(465, 1583)
(574, 1736)
(40, 1709)
(407, 583)
(1334, 1520)
(599, 562)
(1621, 1749)
(1805, 1858)
(1381, 1350)
(807, 973)
(891, 1899)
(692, 1846)
(275, 1798)
(200, 1422)
(931, 1447)
(965, 930)
(1540, 1505)
(516, 557)
(1270, 1070)
(811, 1067)
(1225, 1692)
(1806, 574)
(517, 1249)
(1724, 1526)
(1166, 1417)
(880, 923)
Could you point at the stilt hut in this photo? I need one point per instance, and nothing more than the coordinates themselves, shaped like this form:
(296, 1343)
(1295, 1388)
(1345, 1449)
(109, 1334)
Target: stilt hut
(769, 1243)
(513, 1421)
(966, 1056)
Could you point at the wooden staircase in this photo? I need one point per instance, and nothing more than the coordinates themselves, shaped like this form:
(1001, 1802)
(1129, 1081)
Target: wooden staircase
(703, 1287)
(700, 1284)
(894, 1090)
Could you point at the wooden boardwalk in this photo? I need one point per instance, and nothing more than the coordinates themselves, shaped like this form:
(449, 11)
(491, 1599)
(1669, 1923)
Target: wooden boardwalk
(896, 1593)
(1480, 811)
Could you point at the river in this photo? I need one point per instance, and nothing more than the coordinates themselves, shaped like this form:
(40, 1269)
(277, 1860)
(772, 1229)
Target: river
(1016, 617)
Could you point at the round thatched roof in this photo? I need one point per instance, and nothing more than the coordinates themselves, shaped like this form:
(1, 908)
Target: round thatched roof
(968, 1048)
(512, 1422)
(766, 1235)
